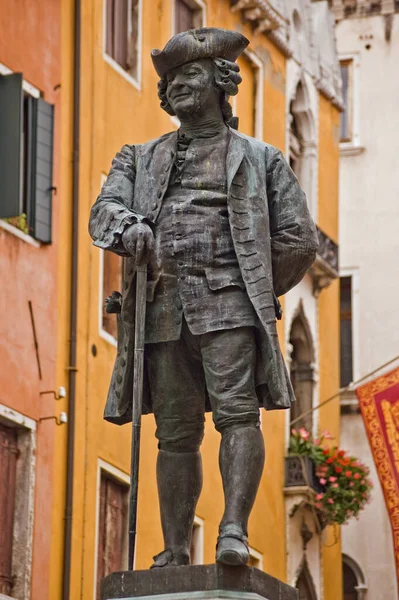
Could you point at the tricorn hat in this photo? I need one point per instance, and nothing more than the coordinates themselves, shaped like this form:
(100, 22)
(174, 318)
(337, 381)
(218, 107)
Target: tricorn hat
(207, 42)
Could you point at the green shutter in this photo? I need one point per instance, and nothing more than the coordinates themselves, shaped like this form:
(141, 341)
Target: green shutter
(42, 172)
(10, 144)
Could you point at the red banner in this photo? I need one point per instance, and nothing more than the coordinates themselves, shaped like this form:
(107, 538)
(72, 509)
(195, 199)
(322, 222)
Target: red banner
(379, 404)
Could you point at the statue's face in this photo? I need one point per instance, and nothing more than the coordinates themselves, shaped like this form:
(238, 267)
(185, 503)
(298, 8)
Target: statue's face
(192, 89)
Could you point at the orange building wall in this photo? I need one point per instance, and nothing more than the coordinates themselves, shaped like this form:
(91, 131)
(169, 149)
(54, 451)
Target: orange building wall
(114, 112)
(30, 44)
(329, 321)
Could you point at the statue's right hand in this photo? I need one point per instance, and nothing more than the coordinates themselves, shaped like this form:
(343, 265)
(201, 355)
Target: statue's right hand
(138, 241)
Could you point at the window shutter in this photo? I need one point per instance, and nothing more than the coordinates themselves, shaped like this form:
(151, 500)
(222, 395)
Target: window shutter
(109, 38)
(8, 465)
(42, 172)
(184, 16)
(10, 144)
(120, 32)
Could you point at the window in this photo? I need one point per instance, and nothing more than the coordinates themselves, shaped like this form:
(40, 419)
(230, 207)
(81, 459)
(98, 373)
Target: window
(122, 34)
(347, 88)
(112, 526)
(197, 542)
(189, 14)
(302, 372)
(353, 580)
(112, 266)
(8, 469)
(248, 103)
(346, 345)
(17, 476)
(26, 158)
(305, 584)
(255, 559)
(350, 583)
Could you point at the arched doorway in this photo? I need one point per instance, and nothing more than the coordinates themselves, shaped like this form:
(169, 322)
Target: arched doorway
(301, 370)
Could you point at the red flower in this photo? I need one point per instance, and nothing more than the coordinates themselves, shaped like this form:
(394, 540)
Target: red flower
(348, 473)
(341, 453)
(330, 460)
(357, 476)
(338, 469)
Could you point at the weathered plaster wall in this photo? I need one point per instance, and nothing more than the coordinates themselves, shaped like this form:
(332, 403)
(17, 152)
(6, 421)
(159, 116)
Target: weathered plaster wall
(29, 44)
(369, 247)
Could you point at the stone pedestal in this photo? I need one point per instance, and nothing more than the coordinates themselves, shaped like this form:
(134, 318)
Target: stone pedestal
(202, 582)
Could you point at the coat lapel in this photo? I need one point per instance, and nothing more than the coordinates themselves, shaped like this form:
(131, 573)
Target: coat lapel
(235, 154)
(153, 172)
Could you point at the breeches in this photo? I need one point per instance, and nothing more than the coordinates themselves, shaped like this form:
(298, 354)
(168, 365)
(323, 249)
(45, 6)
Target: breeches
(181, 373)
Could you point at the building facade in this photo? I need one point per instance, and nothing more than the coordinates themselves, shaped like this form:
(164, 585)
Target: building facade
(30, 197)
(368, 45)
(97, 72)
(290, 97)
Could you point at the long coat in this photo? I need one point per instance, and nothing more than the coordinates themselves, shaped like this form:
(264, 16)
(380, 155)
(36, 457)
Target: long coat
(273, 234)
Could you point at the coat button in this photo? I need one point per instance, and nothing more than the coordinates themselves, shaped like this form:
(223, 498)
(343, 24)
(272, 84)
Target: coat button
(119, 379)
(123, 362)
(178, 321)
(159, 193)
(163, 180)
(154, 206)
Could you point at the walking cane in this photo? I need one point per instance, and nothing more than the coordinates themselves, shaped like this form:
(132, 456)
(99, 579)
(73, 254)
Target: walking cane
(138, 366)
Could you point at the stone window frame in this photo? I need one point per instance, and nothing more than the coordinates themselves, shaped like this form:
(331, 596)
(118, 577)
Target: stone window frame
(353, 146)
(362, 586)
(119, 476)
(258, 68)
(134, 81)
(199, 5)
(24, 500)
(354, 274)
(255, 558)
(197, 543)
(105, 335)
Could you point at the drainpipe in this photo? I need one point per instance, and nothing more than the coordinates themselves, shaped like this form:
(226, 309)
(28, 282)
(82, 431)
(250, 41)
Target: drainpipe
(74, 308)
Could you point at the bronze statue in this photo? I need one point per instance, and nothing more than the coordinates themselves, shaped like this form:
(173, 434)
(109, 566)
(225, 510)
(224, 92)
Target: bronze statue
(223, 224)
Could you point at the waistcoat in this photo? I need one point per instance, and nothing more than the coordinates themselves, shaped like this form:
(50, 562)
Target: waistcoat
(200, 277)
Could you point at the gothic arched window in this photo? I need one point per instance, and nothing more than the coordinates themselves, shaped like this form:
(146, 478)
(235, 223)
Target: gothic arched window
(353, 580)
(301, 371)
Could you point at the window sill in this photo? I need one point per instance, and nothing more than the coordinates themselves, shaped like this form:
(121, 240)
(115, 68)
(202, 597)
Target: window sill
(108, 338)
(122, 72)
(351, 149)
(22, 236)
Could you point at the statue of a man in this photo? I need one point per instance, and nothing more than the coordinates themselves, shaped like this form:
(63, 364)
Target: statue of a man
(223, 224)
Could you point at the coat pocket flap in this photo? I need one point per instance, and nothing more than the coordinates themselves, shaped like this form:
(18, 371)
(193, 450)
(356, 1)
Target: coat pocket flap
(221, 277)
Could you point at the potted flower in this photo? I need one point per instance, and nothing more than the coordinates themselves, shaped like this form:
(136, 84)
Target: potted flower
(341, 481)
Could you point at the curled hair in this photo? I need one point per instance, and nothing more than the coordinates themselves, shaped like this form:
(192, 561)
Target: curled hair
(227, 79)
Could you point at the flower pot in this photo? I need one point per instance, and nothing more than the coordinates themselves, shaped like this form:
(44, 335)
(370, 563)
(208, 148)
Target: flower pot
(301, 471)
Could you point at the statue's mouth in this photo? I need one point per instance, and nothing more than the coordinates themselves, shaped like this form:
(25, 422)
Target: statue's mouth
(183, 95)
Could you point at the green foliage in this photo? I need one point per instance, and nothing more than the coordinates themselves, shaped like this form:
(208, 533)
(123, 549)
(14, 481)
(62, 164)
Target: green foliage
(19, 222)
